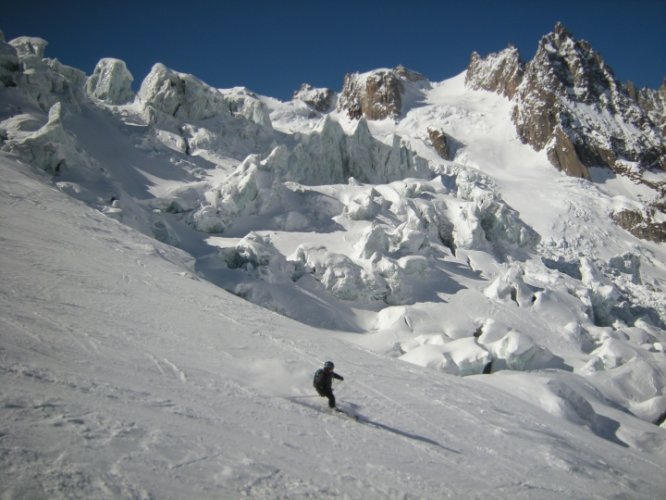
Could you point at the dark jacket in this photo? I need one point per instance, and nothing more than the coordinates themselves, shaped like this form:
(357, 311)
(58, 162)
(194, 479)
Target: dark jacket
(324, 379)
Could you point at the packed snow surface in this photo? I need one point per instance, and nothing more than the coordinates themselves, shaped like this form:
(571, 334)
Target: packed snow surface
(176, 264)
(125, 375)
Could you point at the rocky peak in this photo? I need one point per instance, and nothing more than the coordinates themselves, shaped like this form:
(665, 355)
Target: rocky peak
(319, 99)
(380, 94)
(577, 69)
(499, 72)
(568, 90)
(567, 101)
(408, 74)
(653, 102)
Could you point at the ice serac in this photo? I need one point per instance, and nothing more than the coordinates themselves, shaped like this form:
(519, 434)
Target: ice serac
(195, 118)
(51, 147)
(380, 94)
(180, 95)
(259, 186)
(111, 82)
(29, 48)
(329, 156)
(500, 72)
(245, 103)
(46, 81)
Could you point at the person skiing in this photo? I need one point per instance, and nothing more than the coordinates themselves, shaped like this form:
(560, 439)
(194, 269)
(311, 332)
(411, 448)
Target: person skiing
(323, 379)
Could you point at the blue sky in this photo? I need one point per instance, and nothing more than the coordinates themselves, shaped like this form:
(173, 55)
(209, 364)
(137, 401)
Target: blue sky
(272, 47)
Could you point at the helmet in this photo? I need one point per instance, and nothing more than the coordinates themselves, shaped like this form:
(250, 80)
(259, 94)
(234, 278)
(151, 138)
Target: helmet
(329, 365)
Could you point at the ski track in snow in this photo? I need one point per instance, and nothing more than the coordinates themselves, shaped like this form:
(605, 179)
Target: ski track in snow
(77, 421)
(127, 375)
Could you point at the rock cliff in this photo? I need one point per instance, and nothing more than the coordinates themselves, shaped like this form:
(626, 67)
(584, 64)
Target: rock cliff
(568, 101)
(321, 100)
(500, 72)
(380, 94)
(569, 90)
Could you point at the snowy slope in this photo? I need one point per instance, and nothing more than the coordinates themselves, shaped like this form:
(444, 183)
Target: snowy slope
(131, 371)
(126, 376)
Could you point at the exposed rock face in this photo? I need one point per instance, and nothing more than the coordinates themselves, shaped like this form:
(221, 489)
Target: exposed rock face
(636, 224)
(567, 101)
(440, 143)
(562, 154)
(376, 96)
(568, 89)
(379, 94)
(321, 100)
(500, 72)
(653, 103)
(111, 82)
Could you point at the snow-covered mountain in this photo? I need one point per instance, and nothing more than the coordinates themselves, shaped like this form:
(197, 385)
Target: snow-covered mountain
(501, 325)
(568, 102)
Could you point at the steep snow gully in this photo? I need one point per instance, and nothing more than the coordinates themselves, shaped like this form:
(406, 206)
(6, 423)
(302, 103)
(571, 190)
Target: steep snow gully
(176, 264)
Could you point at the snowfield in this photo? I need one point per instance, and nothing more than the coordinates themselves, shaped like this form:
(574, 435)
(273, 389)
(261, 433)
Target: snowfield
(124, 375)
(177, 263)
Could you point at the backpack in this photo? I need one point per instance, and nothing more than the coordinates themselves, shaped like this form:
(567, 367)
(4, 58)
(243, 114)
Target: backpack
(318, 381)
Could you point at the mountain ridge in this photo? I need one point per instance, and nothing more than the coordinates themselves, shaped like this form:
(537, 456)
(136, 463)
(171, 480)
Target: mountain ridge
(427, 230)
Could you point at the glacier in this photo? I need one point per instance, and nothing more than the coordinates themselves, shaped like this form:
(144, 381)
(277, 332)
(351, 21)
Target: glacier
(178, 259)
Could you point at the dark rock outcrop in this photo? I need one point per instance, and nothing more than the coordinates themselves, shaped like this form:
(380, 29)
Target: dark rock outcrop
(568, 90)
(567, 101)
(562, 154)
(321, 100)
(639, 226)
(653, 102)
(379, 94)
(499, 72)
(439, 141)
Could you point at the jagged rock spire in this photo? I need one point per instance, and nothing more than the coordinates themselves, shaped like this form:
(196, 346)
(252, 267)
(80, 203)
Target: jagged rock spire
(500, 72)
(568, 101)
